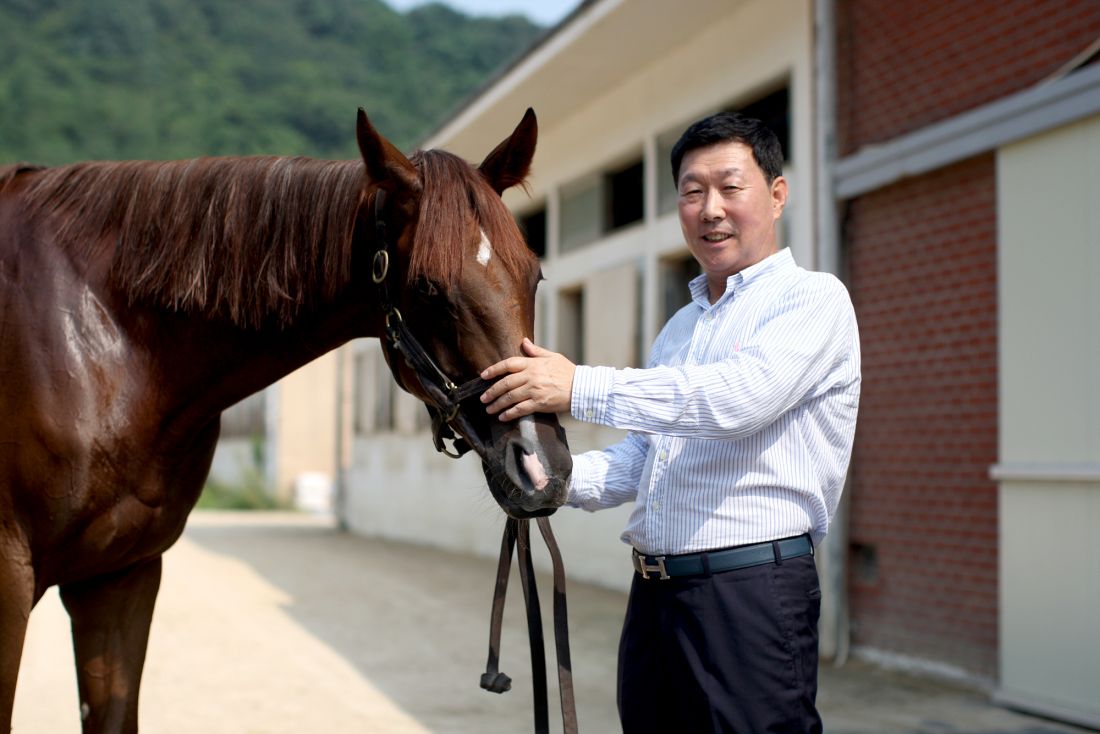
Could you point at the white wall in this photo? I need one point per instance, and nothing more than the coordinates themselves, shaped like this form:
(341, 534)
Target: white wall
(401, 489)
(305, 422)
(1049, 470)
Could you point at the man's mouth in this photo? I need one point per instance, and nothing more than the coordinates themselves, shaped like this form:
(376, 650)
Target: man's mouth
(717, 236)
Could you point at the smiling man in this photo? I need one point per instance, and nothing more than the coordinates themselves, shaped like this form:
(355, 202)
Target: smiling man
(741, 430)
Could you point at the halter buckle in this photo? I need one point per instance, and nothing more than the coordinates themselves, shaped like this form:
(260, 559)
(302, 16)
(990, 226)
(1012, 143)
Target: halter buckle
(380, 266)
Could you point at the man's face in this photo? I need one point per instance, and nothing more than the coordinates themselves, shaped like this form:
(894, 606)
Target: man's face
(728, 210)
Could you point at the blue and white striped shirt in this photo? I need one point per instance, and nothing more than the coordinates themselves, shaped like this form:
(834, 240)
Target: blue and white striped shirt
(741, 427)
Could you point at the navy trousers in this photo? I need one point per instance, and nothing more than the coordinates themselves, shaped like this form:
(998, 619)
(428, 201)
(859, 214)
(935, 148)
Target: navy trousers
(735, 651)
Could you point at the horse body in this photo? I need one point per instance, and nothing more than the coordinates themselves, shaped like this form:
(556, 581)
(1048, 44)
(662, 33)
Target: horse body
(121, 341)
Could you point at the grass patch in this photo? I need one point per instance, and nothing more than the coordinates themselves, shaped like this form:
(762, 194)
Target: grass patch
(249, 493)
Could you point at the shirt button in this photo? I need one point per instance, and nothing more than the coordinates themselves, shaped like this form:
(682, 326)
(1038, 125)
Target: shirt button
(656, 506)
(664, 456)
(588, 413)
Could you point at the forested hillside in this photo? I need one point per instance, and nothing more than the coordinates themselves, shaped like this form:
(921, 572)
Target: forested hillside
(84, 79)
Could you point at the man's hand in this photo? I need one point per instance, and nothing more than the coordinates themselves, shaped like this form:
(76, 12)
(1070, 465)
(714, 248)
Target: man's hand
(541, 382)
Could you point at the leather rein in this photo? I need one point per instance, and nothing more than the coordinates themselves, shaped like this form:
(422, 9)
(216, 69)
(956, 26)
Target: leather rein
(517, 534)
(447, 398)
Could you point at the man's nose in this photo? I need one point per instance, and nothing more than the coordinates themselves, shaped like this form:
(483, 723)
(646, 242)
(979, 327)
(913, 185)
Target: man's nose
(712, 206)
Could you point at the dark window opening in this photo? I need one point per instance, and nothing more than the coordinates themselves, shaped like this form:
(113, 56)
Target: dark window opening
(625, 194)
(774, 110)
(533, 226)
(677, 274)
(571, 325)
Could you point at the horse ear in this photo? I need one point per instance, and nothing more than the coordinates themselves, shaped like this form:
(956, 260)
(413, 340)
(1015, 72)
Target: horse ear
(510, 162)
(383, 160)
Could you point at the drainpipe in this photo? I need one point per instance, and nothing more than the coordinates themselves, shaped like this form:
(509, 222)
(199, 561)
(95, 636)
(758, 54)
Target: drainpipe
(834, 614)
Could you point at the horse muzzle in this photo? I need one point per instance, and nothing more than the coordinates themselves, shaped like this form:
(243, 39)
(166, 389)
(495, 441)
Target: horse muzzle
(528, 465)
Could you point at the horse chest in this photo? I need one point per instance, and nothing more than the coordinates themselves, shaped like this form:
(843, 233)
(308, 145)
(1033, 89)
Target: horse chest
(110, 532)
(94, 506)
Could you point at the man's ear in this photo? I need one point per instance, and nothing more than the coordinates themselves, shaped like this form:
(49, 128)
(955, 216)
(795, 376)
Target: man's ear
(510, 162)
(383, 160)
(779, 196)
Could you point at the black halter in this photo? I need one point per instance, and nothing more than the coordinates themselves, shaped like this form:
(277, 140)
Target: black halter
(445, 394)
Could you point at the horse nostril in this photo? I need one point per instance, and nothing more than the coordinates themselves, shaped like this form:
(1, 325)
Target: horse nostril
(535, 471)
(525, 469)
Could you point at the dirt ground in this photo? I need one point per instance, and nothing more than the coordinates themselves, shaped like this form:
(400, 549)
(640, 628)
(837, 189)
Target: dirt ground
(272, 623)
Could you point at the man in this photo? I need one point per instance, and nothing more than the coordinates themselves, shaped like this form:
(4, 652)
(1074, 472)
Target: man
(741, 430)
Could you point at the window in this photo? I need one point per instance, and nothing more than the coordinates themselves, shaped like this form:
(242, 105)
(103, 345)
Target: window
(374, 392)
(774, 110)
(601, 203)
(625, 196)
(580, 214)
(667, 195)
(571, 324)
(533, 226)
(675, 276)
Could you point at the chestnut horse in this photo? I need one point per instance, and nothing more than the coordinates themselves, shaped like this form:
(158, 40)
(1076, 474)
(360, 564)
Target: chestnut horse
(140, 299)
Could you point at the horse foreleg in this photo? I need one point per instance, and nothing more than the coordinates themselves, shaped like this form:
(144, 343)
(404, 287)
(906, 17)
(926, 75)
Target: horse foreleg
(16, 601)
(110, 620)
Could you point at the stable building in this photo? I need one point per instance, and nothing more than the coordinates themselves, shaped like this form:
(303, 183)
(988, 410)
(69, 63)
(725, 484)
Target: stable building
(942, 160)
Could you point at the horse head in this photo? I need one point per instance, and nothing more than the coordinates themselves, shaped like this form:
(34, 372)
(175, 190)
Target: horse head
(455, 282)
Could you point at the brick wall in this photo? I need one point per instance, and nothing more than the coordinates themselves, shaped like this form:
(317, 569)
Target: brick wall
(922, 262)
(903, 65)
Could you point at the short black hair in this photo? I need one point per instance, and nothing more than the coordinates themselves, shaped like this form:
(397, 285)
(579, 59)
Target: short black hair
(732, 127)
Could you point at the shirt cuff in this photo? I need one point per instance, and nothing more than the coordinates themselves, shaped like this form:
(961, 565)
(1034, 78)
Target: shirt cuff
(591, 390)
(580, 492)
(573, 497)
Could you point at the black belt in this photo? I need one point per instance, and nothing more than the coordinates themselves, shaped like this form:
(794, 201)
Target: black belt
(698, 564)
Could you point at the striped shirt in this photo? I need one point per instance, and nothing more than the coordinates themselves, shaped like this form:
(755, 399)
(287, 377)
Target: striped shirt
(741, 427)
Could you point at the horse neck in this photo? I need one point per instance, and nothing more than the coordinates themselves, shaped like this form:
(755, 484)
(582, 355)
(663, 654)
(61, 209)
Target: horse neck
(212, 364)
(232, 350)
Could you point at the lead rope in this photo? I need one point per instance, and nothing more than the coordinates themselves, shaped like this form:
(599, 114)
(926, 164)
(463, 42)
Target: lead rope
(561, 631)
(517, 533)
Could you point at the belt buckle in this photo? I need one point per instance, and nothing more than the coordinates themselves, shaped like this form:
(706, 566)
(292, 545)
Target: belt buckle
(645, 569)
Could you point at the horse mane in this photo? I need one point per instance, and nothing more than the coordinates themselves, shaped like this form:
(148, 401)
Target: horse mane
(11, 170)
(454, 194)
(254, 238)
(246, 237)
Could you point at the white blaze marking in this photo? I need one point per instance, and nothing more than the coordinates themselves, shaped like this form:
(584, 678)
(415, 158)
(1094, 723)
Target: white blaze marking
(484, 250)
(531, 464)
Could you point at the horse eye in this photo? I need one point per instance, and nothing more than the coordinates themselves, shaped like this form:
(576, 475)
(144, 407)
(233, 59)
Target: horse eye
(427, 288)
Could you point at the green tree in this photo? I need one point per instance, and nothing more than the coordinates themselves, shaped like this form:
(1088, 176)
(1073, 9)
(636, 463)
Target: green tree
(87, 79)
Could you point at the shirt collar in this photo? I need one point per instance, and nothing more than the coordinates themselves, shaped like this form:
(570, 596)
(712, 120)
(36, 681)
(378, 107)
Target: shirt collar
(771, 264)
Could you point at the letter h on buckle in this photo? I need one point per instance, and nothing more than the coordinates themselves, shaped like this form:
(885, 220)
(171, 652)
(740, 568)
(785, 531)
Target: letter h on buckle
(645, 569)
